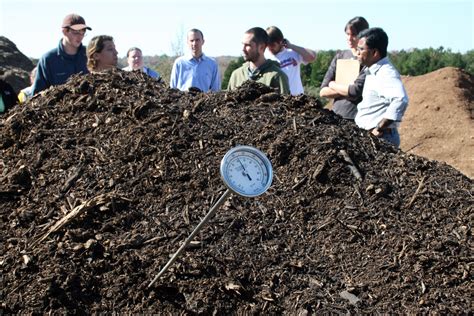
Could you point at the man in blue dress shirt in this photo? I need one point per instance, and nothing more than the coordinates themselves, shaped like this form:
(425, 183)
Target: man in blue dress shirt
(195, 70)
(384, 99)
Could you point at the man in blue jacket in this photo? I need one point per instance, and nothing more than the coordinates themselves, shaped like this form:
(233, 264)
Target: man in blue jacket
(60, 63)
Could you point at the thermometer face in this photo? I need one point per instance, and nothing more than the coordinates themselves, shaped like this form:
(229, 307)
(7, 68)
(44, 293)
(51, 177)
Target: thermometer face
(246, 171)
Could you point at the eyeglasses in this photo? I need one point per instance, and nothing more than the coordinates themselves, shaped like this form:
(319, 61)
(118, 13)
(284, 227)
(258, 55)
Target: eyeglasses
(80, 32)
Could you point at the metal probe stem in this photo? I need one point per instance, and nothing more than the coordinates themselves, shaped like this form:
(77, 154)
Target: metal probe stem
(212, 211)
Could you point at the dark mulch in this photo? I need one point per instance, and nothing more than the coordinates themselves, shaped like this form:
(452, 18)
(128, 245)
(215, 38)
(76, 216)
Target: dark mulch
(103, 178)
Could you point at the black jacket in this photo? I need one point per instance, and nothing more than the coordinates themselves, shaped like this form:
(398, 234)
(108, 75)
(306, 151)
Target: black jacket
(8, 95)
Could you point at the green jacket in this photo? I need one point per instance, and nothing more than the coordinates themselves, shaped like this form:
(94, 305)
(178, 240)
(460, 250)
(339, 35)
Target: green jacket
(269, 74)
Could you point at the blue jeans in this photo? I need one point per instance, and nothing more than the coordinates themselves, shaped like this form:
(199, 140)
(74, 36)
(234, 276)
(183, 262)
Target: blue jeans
(392, 136)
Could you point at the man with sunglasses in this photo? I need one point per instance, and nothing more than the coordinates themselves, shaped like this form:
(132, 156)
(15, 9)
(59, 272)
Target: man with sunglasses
(384, 99)
(69, 58)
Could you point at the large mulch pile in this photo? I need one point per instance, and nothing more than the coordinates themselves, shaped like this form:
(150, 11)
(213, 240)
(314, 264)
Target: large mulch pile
(439, 121)
(15, 67)
(103, 178)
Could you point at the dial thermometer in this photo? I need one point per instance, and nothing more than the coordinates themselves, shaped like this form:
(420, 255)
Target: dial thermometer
(246, 171)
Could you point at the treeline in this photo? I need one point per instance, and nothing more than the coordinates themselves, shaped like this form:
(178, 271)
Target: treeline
(413, 62)
(163, 64)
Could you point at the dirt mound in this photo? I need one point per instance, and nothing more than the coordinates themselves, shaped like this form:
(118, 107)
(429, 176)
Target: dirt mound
(15, 67)
(103, 179)
(439, 121)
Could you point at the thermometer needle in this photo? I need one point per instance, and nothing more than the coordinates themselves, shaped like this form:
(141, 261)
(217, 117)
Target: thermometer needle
(244, 172)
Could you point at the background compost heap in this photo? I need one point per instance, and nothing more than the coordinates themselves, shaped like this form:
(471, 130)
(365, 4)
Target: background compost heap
(103, 178)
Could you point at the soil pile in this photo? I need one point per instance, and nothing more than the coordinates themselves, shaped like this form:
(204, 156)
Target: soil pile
(439, 121)
(15, 67)
(104, 178)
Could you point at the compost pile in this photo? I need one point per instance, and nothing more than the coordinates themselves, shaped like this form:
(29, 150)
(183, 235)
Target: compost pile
(439, 121)
(15, 67)
(103, 178)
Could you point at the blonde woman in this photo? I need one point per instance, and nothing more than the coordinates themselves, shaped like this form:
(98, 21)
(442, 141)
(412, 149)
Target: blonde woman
(101, 53)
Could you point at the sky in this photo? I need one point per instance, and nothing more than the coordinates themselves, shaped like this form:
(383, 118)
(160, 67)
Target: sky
(159, 26)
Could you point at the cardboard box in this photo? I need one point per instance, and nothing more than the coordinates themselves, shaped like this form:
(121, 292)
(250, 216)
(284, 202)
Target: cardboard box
(347, 71)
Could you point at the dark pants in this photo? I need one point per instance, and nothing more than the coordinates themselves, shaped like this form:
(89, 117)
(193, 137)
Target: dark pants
(391, 135)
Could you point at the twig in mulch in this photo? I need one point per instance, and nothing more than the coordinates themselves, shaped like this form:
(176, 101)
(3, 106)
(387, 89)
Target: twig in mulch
(353, 229)
(299, 183)
(98, 200)
(357, 190)
(420, 185)
(72, 178)
(351, 164)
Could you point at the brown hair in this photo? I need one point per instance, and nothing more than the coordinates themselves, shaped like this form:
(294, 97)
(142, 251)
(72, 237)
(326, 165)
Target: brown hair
(260, 36)
(132, 50)
(196, 31)
(96, 45)
(275, 35)
(357, 25)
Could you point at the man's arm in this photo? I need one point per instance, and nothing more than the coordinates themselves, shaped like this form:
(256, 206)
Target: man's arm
(280, 81)
(392, 89)
(41, 82)
(353, 91)
(174, 76)
(383, 124)
(329, 93)
(231, 85)
(216, 79)
(308, 55)
(339, 88)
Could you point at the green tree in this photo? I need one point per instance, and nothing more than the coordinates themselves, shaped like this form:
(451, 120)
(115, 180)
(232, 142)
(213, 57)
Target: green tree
(320, 66)
(232, 66)
(422, 61)
(162, 64)
(468, 59)
(399, 60)
(453, 60)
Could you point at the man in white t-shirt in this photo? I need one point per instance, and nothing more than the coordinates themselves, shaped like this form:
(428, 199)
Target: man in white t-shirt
(289, 56)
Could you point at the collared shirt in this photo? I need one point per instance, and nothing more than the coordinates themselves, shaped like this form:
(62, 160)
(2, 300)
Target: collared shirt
(383, 96)
(202, 73)
(7, 96)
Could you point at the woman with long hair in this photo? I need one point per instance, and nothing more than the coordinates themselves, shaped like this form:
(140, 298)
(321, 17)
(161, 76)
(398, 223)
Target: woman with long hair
(101, 53)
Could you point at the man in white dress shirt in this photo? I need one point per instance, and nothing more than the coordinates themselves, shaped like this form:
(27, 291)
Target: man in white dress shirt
(384, 99)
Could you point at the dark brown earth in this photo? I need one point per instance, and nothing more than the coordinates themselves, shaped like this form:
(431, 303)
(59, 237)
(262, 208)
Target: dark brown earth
(15, 67)
(103, 178)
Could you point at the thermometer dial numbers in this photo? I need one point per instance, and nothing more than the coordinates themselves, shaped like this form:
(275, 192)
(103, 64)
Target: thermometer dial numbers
(246, 171)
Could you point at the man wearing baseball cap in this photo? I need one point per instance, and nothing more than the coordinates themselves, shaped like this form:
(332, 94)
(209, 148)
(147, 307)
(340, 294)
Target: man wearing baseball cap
(69, 58)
